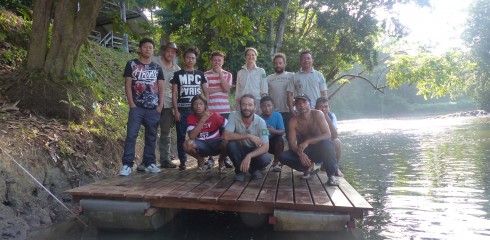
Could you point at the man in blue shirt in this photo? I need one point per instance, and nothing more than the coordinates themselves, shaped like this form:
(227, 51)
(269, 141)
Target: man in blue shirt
(275, 125)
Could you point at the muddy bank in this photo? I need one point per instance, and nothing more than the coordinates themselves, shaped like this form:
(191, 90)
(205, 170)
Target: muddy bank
(59, 158)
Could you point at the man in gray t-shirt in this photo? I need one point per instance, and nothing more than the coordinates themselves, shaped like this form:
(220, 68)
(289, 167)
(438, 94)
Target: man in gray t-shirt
(248, 140)
(307, 81)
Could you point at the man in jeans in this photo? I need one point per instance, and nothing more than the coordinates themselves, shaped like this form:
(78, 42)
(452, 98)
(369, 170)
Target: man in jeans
(310, 142)
(169, 67)
(248, 140)
(144, 91)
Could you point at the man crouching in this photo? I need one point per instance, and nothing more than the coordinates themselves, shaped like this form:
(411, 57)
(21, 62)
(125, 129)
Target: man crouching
(204, 137)
(309, 142)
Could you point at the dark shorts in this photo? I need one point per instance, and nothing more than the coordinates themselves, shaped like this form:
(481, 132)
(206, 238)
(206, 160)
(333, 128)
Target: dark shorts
(211, 147)
(275, 139)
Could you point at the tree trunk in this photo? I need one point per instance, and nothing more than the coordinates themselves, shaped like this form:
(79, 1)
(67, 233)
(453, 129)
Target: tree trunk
(41, 18)
(122, 7)
(49, 91)
(281, 26)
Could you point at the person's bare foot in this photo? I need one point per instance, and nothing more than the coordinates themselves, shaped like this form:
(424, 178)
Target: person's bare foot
(338, 173)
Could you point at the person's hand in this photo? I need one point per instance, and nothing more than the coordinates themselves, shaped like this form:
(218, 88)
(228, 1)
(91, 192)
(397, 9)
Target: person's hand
(305, 160)
(245, 163)
(217, 69)
(206, 116)
(256, 140)
(177, 116)
(302, 147)
(159, 109)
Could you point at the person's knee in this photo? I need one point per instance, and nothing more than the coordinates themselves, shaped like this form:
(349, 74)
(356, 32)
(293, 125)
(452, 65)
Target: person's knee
(189, 146)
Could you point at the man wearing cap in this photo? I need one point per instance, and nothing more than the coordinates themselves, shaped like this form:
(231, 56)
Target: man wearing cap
(310, 144)
(167, 62)
(306, 81)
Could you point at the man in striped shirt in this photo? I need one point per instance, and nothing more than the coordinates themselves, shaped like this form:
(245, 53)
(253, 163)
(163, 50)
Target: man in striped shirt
(219, 82)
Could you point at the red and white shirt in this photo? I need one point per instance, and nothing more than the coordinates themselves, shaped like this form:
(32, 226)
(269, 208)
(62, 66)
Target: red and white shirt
(210, 129)
(218, 102)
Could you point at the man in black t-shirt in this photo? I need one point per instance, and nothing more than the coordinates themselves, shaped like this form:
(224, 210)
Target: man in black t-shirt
(144, 91)
(186, 84)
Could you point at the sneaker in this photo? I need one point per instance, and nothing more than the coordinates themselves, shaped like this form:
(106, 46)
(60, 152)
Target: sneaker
(277, 167)
(240, 177)
(203, 169)
(209, 162)
(153, 168)
(167, 164)
(314, 169)
(141, 168)
(257, 175)
(182, 167)
(228, 163)
(125, 171)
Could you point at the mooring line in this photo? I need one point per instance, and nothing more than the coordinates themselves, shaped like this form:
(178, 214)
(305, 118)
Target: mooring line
(40, 184)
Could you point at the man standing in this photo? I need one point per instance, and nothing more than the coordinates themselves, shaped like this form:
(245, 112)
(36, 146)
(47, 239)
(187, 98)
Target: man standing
(277, 84)
(248, 140)
(310, 142)
(144, 91)
(186, 84)
(251, 79)
(219, 82)
(167, 62)
(306, 81)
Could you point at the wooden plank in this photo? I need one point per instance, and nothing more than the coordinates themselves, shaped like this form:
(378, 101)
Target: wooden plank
(301, 190)
(215, 193)
(285, 192)
(354, 197)
(178, 192)
(318, 192)
(336, 195)
(269, 189)
(253, 189)
(206, 186)
(182, 178)
(234, 191)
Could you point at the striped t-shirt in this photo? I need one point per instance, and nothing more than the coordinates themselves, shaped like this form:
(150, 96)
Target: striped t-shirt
(218, 102)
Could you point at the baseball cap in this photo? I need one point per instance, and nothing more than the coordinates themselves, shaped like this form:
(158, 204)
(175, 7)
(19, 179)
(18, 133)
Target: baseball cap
(302, 96)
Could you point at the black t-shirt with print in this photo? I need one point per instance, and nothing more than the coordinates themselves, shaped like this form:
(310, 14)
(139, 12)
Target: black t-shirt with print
(189, 85)
(144, 86)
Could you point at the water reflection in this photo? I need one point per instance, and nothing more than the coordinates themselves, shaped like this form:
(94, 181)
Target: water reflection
(427, 178)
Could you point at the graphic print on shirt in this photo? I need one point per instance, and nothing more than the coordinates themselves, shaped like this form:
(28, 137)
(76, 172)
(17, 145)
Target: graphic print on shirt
(210, 129)
(189, 86)
(144, 82)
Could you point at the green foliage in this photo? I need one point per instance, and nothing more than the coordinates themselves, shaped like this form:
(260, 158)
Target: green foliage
(14, 36)
(435, 76)
(477, 37)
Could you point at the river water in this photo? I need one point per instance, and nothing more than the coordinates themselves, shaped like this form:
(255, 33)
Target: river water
(427, 178)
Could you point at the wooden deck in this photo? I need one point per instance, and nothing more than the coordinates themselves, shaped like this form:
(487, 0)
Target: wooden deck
(211, 191)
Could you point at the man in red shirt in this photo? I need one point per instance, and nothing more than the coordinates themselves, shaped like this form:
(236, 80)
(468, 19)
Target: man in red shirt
(204, 135)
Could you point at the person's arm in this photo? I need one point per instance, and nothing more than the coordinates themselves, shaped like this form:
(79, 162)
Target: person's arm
(160, 95)
(232, 136)
(264, 86)
(238, 91)
(225, 81)
(291, 103)
(292, 135)
(175, 96)
(204, 88)
(331, 127)
(129, 92)
(197, 129)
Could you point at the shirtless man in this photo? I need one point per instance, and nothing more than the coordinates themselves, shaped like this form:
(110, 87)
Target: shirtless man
(310, 142)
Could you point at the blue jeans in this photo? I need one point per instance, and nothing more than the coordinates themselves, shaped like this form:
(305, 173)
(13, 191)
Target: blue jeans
(237, 152)
(181, 128)
(323, 151)
(150, 119)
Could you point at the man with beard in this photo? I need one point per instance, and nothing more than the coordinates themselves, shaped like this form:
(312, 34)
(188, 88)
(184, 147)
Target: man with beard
(310, 142)
(277, 85)
(248, 140)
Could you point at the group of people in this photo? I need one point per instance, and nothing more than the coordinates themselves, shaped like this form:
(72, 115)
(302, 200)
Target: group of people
(160, 93)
